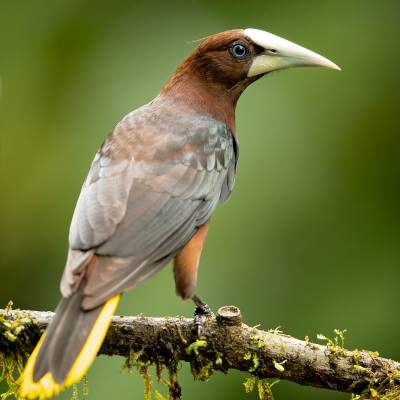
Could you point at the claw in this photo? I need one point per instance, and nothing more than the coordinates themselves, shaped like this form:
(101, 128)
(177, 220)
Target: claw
(201, 312)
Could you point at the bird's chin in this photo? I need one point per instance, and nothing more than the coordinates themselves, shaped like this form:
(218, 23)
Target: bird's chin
(254, 78)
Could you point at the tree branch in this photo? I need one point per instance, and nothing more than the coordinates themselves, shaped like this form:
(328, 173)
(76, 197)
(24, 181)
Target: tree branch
(228, 344)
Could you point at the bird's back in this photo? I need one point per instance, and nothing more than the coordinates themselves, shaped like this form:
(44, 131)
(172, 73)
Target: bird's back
(156, 179)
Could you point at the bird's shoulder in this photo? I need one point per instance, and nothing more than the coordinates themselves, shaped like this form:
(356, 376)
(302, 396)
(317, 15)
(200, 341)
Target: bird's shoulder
(168, 134)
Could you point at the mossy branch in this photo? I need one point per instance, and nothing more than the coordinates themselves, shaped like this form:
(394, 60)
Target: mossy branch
(227, 344)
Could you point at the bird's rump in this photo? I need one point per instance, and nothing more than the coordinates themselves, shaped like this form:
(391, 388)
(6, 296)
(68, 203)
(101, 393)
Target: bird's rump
(141, 203)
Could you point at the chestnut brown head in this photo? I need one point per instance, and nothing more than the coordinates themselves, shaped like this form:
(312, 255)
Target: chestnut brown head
(238, 57)
(215, 74)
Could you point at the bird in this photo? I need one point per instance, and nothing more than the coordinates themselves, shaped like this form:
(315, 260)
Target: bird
(149, 196)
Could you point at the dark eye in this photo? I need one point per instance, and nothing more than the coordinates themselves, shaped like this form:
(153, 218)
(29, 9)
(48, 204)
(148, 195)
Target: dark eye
(239, 51)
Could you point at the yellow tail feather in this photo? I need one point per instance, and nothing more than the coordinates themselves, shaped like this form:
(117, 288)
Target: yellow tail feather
(47, 387)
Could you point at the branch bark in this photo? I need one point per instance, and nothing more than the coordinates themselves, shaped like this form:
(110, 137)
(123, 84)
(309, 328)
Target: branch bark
(228, 344)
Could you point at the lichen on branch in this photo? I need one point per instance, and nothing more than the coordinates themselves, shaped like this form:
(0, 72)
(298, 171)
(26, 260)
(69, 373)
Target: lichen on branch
(227, 343)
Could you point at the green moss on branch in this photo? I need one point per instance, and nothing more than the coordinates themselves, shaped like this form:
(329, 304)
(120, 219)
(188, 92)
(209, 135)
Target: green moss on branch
(227, 344)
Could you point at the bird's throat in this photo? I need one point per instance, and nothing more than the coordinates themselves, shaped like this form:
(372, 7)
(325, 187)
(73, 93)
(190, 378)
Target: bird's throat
(203, 96)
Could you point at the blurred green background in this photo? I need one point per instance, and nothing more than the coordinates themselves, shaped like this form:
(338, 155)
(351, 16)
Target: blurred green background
(310, 238)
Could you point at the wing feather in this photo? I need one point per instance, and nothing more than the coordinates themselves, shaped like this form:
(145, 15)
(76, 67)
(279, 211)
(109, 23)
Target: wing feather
(147, 193)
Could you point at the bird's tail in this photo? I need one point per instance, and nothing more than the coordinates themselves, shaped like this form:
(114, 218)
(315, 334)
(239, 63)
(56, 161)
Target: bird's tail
(67, 348)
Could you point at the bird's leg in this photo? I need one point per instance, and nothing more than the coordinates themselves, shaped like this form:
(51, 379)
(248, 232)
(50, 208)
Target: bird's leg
(201, 311)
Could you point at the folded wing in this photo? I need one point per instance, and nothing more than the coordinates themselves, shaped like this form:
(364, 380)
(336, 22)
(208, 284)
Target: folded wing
(149, 189)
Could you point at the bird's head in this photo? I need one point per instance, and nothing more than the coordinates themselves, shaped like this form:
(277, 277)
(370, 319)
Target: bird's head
(224, 64)
(244, 55)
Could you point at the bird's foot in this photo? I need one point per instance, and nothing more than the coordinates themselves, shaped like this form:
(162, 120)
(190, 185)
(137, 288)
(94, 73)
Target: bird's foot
(201, 312)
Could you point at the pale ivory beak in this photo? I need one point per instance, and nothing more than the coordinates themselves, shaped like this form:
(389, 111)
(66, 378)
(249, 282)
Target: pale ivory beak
(280, 53)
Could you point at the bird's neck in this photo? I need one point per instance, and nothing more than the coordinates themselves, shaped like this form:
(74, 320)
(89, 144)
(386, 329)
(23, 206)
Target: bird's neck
(203, 96)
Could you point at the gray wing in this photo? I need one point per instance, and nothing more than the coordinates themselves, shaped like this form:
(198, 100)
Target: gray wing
(145, 196)
(229, 181)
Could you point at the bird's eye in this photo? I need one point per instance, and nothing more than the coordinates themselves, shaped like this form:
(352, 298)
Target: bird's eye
(239, 51)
